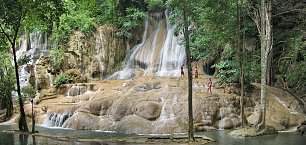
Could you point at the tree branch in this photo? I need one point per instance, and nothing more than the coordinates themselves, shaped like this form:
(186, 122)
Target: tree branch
(302, 10)
(6, 35)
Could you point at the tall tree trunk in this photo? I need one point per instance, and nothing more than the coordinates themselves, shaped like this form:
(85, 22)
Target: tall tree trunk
(240, 61)
(270, 68)
(266, 47)
(186, 35)
(22, 121)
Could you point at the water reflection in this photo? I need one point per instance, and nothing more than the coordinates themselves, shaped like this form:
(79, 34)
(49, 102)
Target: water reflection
(285, 138)
(23, 139)
(221, 137)
(34, 141)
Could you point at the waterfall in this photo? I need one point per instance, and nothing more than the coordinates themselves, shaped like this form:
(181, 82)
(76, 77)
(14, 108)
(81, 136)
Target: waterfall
(38, 48)
(99, 46)
(167, 114)
(172, 54)
(158, 54)
(128, 70)
(229, 117)
(76, 90)
(54, 119)
(50, 78)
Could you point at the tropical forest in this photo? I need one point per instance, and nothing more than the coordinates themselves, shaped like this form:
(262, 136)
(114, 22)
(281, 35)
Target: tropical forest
(113, 72)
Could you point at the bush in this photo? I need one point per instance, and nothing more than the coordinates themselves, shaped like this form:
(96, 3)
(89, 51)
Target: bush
(61, 79)
(42, 78)
(56, 58)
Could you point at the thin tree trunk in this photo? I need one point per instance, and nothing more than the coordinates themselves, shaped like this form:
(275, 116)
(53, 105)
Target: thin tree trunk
(240, 62)
(22, 121)
(186, 35)
(244, 120)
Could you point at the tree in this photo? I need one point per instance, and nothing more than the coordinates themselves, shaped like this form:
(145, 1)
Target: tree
(240, 62)
(6, 83)
(12, 15)
(262, 17)
(187, 49)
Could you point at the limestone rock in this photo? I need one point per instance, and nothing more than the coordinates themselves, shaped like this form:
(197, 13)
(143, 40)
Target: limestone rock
(82, 121)
(118, 110)
(134, 124)
(107, 124)
(148, 109)
(76, 90)
(99, 107)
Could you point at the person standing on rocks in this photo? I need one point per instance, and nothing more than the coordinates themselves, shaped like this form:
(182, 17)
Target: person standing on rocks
(196, 73)
(209, 85)
(285, 83)
(182, 70)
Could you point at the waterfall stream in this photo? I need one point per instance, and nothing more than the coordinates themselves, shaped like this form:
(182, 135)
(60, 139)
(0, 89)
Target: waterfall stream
(38, 48)
(159, 53)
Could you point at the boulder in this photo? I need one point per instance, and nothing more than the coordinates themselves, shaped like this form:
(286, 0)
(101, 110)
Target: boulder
(100, 107)
(134, 124)
(229, 123)
(82, 121)
(119, 109)
(76, 90)
(107, 124)
(148, 109)
(63, 89)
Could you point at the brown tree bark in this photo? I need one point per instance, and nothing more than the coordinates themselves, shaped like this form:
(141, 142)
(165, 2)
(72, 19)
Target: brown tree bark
(22, 124)
(187, 49)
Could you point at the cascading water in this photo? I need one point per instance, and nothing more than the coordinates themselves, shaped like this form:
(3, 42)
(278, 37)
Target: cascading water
(167, 114)
(98, 47)
(54, 119)
(229, 117)
(159, 53)
(38, 48)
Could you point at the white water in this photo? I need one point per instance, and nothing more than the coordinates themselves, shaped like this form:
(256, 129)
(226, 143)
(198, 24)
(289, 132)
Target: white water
(53, 119)
(38, 48)
(99, 46)
(159, 53)
(285, 106)
(167, 114)
(172, 54)
(228, 110)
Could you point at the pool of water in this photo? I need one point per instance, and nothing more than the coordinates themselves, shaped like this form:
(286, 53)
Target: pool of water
(55, 137)
(102, 138)
(283, 138)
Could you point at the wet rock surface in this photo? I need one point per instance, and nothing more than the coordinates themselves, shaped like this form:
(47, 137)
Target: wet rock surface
(113, 106)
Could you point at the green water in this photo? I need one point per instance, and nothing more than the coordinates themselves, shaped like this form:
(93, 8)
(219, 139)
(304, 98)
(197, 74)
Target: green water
(109, 138)
(283, 138)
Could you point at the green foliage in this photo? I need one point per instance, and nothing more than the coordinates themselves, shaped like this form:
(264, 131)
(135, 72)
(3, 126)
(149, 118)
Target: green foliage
(227, 72)
(57, 58)
(155, 5)
(28, 92)
(252, 69)
(42, 78)
(61, 79)
(78, 17)
(297, 77)
(24, 60)
(123, 15)
(133, 19)
(7, 75)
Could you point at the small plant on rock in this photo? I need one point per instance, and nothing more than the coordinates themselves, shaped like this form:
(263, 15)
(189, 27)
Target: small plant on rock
(61, 79)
